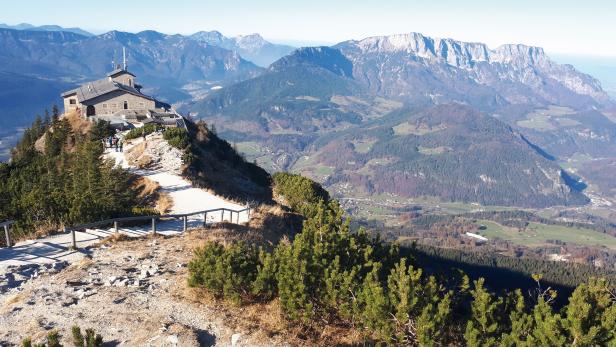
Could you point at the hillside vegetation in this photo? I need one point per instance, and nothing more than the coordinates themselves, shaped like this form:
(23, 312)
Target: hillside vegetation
(212, 163)
(329, 275)
(448, 151)
(57, 177)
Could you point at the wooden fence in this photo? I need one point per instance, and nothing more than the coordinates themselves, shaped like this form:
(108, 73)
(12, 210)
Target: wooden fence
(115, 222)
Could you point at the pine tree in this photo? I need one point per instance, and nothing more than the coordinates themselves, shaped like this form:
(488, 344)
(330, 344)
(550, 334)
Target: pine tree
(375, 306)
(404, 284)
(547, 326)
(591, 315)
(482, 328)
(433, 321)
(520, 322)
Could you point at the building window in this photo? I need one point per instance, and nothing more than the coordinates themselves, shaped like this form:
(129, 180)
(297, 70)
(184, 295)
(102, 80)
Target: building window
(141, 104)
(126, 105)
(104, 105)
(72, 101)
(90, 110)
(130, 82)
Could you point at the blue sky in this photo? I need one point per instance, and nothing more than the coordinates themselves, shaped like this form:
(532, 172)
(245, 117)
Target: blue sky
(566, 26)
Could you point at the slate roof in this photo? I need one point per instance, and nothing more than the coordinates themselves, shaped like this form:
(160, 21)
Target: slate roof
(119, 71)
(101, 87)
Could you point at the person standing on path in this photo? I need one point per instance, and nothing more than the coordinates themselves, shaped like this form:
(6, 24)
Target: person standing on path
(121, 146)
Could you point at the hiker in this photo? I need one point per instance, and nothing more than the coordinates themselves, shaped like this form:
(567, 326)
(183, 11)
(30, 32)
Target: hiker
(121, 146)
(110, 141)
(144, 136)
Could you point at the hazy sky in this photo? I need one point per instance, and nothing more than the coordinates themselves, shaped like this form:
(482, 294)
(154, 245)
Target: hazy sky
(585, 27)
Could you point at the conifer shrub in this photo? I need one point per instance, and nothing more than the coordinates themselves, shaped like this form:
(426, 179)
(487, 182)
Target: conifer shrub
(332, 274)
(91, 339)
(299, 193)
(177, 137)
(146, 129)
(225, 271)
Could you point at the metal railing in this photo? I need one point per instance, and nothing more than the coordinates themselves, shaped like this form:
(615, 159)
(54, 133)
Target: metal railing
(154, 219)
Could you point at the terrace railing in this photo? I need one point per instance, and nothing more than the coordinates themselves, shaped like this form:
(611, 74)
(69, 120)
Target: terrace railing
(233, 217)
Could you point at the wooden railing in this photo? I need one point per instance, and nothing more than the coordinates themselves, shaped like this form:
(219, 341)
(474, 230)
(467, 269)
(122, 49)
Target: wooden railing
(154, 219)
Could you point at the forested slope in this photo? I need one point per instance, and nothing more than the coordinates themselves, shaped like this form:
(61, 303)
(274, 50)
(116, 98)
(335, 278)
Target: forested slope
(57, 176)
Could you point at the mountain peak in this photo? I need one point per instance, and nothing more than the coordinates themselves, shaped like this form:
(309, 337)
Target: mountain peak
(454, 52)
(210, 37)
(325, 57)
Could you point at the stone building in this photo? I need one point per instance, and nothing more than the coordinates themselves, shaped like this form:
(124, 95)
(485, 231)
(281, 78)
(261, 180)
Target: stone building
(115, 95)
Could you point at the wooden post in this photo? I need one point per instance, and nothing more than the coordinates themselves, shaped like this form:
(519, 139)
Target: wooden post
(73, 238)
(205, 219)
(154, 225)
(115, 226)
(7, 236)
(185, 223)
(222, 215)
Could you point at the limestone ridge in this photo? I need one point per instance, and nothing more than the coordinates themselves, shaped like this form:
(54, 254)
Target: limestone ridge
(526, 66)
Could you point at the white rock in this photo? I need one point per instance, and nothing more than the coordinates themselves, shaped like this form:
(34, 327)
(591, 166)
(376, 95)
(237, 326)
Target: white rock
(172, 339)
(235, 339)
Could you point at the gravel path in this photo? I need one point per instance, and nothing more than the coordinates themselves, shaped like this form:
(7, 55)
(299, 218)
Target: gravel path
(133, 293)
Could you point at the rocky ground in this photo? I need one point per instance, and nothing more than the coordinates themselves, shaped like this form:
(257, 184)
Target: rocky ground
(134, 293)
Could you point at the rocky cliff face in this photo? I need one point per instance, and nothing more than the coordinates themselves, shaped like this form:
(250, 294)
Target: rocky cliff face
(416, 66)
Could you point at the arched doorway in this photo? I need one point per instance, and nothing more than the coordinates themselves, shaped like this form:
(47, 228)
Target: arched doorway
(126, 105)
(90, 111)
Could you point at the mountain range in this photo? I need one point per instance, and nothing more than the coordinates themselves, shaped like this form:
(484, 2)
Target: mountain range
(405, 115)
(30, 27)
(416, 67)
(413, 116)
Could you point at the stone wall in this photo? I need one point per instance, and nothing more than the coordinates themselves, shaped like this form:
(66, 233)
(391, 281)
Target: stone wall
(114, 102)
(68, 107)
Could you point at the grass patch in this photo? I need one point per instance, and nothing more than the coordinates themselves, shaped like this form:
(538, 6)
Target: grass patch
(249, 148)
(363, 146)
(537, 234)
(407, 128)
(541, 123)
(323, 170)
(434, 150)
